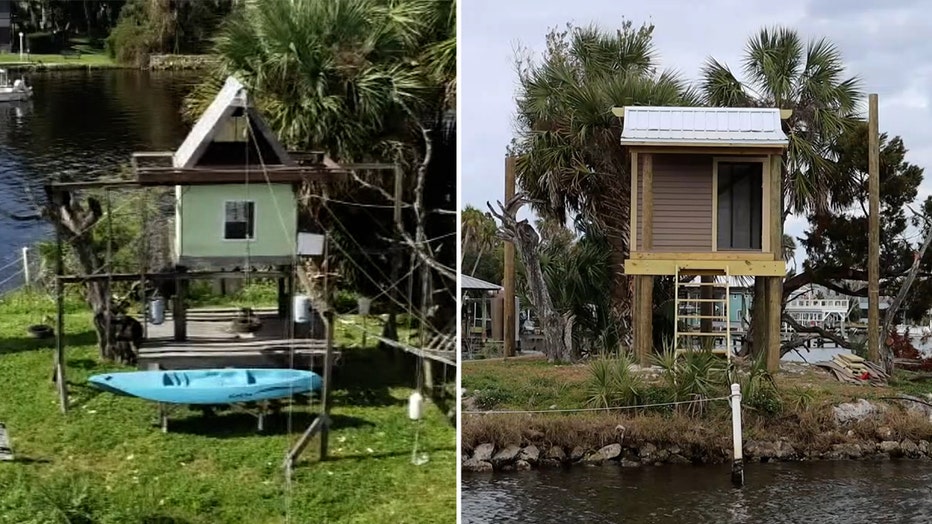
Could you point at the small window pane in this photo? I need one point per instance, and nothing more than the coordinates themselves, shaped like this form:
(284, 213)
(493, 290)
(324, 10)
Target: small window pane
(239, 220)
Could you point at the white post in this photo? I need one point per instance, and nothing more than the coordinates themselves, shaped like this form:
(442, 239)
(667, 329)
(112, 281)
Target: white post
(26, 266)
(21, 51)
(737, 465)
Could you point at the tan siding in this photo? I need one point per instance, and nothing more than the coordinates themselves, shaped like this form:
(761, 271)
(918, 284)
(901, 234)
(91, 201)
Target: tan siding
(640, 209)
(682, 203)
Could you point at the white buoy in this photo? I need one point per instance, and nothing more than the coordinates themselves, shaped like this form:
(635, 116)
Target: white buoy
(301, 309)
(415, 403)
(157, 310)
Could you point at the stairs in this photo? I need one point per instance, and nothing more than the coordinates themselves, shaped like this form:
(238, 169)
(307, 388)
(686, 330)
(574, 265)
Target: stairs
(702, 319)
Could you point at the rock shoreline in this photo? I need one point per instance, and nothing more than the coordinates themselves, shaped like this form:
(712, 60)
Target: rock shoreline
(486, 458)
(839, 441)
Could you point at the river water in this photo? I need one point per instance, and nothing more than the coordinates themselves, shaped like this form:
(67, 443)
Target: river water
(803, 492)
(79, 125)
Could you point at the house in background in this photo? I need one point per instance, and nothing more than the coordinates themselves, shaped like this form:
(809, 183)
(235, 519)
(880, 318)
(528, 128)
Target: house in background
(6, 26)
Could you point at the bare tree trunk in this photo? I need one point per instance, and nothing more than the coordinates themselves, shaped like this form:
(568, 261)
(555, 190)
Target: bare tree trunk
(527, 242)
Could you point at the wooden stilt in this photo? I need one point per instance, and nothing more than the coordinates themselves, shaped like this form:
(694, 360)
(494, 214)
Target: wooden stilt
(774, 310)
(60, 379)
(179, 315)
(643, 318)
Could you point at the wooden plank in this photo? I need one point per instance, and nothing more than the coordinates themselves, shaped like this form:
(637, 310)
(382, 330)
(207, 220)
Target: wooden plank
(647, 200)
(775, 194)
(873, 233)
(734, 267)
(774, 311)
(718, 255)
(508, 307)
(633, 241)
(193, 275)
(172, 176)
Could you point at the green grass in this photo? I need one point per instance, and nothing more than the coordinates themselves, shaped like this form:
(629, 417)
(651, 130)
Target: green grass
(91, 59)
(106, 461)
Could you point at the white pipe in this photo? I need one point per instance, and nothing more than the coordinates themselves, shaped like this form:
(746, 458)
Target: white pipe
(26, 265)
(737, 466)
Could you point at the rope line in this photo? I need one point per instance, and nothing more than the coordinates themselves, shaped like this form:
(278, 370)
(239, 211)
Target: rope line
(585, 410)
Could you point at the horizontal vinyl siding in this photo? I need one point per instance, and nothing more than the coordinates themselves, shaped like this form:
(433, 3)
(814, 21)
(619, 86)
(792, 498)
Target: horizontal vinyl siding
(682, 195)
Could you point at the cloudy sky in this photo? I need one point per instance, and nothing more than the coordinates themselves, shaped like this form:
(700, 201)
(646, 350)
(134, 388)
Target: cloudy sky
(885, 43)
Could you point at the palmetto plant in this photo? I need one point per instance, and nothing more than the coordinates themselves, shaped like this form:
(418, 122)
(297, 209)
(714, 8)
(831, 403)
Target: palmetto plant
(569, 160)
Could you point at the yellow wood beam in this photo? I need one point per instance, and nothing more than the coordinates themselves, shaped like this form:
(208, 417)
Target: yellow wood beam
(771, 268)
(717, 255)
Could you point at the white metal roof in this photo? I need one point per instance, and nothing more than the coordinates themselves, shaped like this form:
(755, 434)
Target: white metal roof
(472, 283)
(703, 126)
(230, 97)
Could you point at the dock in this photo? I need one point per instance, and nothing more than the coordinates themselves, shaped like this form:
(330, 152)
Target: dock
(211, 343)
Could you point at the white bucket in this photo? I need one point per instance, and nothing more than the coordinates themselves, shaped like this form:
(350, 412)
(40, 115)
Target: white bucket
(364, 304)
(157, 311)
(301, 309)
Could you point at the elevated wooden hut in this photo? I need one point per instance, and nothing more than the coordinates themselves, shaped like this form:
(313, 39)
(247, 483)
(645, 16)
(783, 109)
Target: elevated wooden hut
(706, 200)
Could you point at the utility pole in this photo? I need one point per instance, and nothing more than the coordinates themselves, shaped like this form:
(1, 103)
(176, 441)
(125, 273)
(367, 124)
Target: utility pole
(508, 307)
(873, 238)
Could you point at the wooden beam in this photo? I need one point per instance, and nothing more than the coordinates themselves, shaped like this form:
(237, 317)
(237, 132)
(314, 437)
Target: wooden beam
(774, 314)
(179, 315)
(734, 267)
(647, 200)
(633, 240)
(760, 319)
(170, 176)
(776, 207)
(508, 307)
(196, 275)
(106, 183)
(687, 149)
(873, 236)
(718, 255)
(643, 318)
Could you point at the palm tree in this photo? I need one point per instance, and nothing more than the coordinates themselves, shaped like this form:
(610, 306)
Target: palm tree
(479, 234)
(569, 158)
(807, 78)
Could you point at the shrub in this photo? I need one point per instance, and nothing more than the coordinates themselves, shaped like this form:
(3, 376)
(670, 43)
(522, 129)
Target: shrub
(612, 383)
(758, 390)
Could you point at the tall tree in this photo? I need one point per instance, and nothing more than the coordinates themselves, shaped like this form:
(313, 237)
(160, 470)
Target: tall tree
(781, 70)
(569, 158)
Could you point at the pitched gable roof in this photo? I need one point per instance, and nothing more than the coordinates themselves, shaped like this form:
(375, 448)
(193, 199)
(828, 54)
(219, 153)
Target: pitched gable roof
(231, 97)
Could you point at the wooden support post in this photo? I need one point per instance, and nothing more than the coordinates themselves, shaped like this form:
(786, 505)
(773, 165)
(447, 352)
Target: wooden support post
(144, 263)
(508, 330)
(282, 296)
(647, 200)
(774, 311)
(643, 318)
(60, 379)
(328, 356)
(873, 236)
(179, 315)
(760, 318)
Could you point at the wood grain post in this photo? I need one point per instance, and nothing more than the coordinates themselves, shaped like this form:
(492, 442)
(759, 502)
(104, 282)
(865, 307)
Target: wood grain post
(774, 288)
(774, 312)
(647, 200)
(179, 315)
(873, 239)
(508, 307)
(643, 318)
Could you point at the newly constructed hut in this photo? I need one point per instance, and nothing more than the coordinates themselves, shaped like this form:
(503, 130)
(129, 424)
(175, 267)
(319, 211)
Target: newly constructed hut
(706, 200)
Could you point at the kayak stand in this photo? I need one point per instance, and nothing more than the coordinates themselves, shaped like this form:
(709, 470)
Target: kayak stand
(260, 410)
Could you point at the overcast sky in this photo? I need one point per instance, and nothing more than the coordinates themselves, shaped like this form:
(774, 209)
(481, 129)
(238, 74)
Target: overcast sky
(886, 43)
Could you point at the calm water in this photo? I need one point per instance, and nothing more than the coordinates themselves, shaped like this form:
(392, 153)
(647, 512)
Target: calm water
(817, 492)
(79, 125)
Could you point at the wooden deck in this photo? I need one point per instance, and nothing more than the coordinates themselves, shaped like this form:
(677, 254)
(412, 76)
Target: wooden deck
(212, 344)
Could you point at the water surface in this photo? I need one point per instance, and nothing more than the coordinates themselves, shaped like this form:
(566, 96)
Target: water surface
(804, 492)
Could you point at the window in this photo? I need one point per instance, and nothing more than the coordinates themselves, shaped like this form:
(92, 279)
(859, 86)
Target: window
(239, 220)
(740, 205)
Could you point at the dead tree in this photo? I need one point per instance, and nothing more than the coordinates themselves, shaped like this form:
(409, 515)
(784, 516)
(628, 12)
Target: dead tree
(75, 223)
(527, 242)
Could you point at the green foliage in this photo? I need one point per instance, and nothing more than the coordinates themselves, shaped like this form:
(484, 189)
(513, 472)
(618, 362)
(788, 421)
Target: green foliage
(612, 383)
(692, 375)
(758, 390)
(130, 43)
(798, 399)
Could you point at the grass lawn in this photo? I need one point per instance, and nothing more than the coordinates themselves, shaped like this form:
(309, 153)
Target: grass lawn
(107, 461)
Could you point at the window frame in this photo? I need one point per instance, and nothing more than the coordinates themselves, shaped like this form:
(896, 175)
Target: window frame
(765, 201)
(224, 222)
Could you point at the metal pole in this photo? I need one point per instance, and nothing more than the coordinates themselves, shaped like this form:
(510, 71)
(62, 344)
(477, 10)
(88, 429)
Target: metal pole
(873, 242)
(328, 356)
(737, 465)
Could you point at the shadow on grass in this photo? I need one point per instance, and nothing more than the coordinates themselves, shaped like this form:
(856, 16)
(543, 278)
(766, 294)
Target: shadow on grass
(162, 519)
(19, 459)
(9, 345)
(234, 424)
(390, 454)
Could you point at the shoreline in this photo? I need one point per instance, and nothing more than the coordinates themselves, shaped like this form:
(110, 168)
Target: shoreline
(861, 430)
(155, 63)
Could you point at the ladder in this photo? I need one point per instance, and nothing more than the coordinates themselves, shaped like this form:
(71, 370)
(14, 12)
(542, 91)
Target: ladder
(688, 310)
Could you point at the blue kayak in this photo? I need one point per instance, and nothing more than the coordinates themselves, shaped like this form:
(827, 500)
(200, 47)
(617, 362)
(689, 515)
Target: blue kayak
(209, 386)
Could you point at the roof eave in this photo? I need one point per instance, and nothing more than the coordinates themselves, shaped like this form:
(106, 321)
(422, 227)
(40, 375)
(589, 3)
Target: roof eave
(770, 144)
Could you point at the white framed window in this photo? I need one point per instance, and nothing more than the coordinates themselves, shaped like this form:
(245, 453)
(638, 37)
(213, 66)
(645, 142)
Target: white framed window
(239, 220)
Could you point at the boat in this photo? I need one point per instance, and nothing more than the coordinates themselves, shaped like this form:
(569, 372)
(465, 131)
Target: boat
(209, 386)
(16, 91)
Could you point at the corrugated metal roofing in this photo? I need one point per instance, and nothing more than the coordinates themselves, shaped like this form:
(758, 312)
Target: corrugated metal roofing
(471, 283)
(703, 126)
